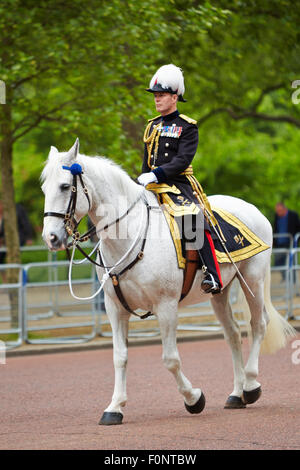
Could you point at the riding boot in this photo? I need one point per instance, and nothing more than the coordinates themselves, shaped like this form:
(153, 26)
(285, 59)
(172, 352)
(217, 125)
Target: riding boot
(212, 282)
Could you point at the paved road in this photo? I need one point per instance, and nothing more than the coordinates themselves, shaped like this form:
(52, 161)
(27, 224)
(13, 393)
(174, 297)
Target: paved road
(55, 401)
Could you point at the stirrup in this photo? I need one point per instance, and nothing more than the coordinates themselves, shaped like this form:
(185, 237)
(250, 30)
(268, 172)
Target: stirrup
(209, 285)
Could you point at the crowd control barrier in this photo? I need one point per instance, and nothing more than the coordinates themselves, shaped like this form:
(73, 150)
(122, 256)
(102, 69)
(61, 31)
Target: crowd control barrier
(294, 284)
(65, 308)
(11, 305)
(38, 308)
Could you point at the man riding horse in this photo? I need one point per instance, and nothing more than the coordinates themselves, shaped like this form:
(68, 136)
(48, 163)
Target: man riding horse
(171, 141)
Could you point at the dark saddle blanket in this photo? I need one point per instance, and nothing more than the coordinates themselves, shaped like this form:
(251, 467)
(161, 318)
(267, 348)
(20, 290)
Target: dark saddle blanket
(241, 242)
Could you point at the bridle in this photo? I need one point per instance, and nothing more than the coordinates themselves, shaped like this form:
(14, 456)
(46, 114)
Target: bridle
(71, 225)
(70, 222)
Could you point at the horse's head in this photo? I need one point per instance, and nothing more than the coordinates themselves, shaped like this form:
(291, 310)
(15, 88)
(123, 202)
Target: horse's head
(58, 179)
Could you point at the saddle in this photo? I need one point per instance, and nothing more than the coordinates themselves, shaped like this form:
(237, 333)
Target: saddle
(241, 243)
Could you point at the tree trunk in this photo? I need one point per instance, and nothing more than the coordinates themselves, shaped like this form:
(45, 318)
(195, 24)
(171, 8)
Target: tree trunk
(9, 207)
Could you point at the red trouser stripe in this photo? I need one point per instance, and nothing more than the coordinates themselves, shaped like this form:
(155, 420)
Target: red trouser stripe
(212, 247)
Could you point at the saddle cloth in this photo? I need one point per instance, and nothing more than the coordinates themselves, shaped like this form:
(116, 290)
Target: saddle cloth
(241, 242)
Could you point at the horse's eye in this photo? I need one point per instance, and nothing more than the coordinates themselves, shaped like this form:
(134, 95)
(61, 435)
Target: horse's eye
(64, 186)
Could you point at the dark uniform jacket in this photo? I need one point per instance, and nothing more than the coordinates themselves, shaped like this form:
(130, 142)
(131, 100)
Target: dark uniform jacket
(173, 151)
(169, 151)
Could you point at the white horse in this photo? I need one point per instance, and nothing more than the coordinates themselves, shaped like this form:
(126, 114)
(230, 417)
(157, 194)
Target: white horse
(155, 282)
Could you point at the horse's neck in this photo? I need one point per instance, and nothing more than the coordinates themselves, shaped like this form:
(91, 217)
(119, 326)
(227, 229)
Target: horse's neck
(113, 194)
(111, 187)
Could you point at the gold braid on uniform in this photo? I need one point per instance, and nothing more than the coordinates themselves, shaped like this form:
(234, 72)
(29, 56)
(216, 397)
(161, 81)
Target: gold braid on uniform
(149, 140)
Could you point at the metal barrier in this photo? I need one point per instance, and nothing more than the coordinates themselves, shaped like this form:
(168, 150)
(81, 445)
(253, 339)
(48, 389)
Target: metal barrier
(206, 312)
(280, 279)
(294, 283)
(290, 237)
(59, 282)
(50, 256)
(286, 266)
(49, 309)
(11, 306)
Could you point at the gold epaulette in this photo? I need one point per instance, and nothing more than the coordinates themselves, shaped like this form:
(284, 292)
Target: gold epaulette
(153, 119)
(188, 119)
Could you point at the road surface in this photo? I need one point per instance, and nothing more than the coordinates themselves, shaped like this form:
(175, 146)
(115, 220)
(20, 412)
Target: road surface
(55, 401)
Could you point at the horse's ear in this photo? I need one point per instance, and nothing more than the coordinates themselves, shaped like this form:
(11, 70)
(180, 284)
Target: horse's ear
(74, 151)
(53, 150)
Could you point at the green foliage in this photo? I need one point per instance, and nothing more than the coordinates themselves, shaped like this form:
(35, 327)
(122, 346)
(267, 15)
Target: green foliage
(80, 69)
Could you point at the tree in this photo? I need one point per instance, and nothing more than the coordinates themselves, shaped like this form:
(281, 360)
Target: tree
(62, 60)
(75, 68)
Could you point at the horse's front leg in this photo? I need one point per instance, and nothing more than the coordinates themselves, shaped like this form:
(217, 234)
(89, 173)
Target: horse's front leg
(194, 399)
(119, 324)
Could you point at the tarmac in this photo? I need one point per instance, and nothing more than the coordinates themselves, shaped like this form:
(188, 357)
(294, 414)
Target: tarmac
(55, 401)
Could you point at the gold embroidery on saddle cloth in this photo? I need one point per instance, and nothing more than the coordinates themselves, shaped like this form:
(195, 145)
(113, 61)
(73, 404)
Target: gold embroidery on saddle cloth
(255, 247)
(256, 244)
(175, 233)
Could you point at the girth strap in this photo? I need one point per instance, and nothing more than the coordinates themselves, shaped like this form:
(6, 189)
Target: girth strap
(192, 263)
(118, 291)
(115, 277)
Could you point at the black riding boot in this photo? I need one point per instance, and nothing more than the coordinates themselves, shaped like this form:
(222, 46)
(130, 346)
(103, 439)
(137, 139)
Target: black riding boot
(212, 282)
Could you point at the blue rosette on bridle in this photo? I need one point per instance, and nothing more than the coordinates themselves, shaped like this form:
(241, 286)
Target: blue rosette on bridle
(75, 169)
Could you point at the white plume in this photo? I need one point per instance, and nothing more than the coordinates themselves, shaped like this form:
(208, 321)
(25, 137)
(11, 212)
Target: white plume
(169, 76)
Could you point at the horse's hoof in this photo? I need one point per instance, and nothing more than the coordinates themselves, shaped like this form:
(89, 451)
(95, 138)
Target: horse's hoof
(110, 418)
(234, 402)
(198, 406)
(252, 396)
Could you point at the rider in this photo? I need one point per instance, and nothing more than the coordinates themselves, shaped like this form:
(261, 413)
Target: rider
(171, 141)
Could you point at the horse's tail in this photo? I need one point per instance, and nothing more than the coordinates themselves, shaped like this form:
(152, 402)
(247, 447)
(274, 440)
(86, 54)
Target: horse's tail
(278, 330)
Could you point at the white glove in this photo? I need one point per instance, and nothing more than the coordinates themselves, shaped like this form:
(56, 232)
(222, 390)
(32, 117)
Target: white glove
(146, 178)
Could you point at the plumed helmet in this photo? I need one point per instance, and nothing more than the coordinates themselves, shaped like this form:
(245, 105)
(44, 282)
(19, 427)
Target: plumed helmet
(168, 79)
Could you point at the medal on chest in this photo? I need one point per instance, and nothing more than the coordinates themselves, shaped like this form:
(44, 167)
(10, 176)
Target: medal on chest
(171, 131)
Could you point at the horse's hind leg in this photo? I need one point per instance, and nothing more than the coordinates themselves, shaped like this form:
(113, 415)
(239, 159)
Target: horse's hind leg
(259, 318)
(232, 335)
(194, 399)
